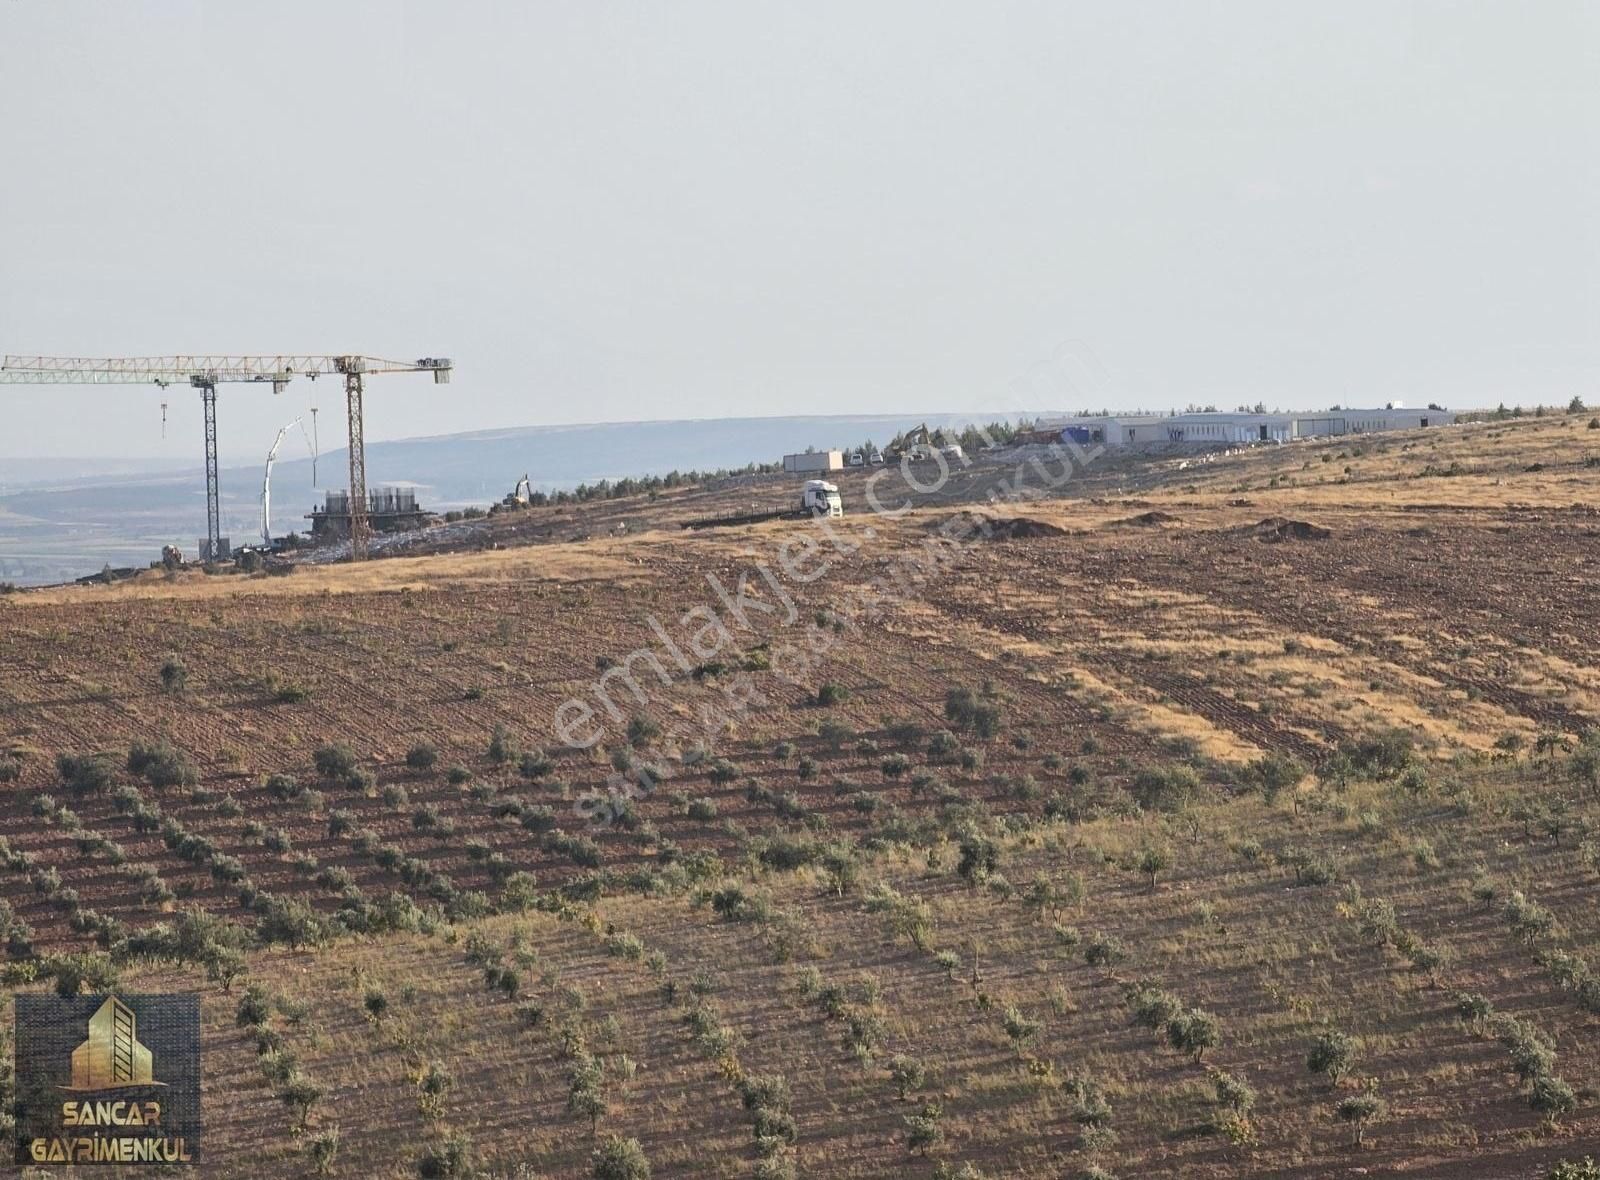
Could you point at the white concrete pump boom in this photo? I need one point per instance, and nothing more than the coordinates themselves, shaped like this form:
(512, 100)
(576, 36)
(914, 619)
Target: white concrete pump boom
(205, 373)
(266, 485)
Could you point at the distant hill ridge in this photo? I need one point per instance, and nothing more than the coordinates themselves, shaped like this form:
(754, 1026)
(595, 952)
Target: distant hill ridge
(68, 522)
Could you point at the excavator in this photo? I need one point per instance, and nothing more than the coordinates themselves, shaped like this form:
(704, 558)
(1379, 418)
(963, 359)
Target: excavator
(917, 443)
(519, 497)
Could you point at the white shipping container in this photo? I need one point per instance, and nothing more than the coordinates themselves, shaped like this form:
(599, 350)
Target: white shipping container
(814, 461)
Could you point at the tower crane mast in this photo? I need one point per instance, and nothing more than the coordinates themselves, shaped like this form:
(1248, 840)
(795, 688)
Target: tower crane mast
(205, 373)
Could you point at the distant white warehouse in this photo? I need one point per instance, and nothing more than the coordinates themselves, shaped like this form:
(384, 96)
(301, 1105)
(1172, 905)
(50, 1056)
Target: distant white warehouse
(1215, 429)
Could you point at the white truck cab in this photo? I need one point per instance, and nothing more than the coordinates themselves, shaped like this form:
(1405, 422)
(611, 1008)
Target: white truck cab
(821, 498)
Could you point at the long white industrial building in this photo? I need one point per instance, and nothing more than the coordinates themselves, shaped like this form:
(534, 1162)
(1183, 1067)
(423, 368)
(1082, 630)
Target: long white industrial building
(1138, 430)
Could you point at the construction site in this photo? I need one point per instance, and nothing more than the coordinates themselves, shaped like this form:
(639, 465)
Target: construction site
(351, 517)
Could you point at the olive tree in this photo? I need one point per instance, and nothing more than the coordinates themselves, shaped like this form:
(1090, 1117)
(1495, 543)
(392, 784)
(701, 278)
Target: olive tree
(1331, 1055)
(1361, 1109)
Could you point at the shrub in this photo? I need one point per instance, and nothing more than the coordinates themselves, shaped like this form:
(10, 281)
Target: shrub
(1018, 1028)
(1104, 950)
(286, 692)
(586, 1091)
(81, 971)
(895, 765)
(502, 746)
(1377, 921)
(422, 757)
(300, 1093)
(1154, 1008)
(1233, 1093)
(980, 857)
(1531, 1053)
(965, 709)
(832, 694)
(1194, 1032)
(446, 1160)
(162, 766)
(334, 761)
(1552, 1097)
(254, 1008)
(174, 676)
(835, 733)
(323, 1147)
(907, 917)
(1474, 1009)
(1585, 1169)
(907, 1073)
(642, 729)
(926, 1130)
(621, 1159)
(84, 773)
(1168, 790)
(1153, 860)
(1331, 1055)
(1528, 920)
(432, 1085)
(1383, 755)
(1274, 774)
(1311, 868)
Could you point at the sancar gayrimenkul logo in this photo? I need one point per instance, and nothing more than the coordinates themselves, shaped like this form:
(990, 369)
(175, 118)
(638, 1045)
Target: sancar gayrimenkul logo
(108, 1079)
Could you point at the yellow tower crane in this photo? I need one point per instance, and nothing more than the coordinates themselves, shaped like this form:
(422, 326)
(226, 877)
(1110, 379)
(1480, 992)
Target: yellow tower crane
(205, 373)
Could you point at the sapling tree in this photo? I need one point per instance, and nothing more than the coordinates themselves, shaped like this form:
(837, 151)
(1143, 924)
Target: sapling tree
(1152, 860)
(926, 1128)
(586, 1091)
(1194, 1032)
(1020, 1030)
(907, 1073)
(300, 1093)
(1361, 1110)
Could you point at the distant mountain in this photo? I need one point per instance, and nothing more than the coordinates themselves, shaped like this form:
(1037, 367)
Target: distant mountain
(64, 518)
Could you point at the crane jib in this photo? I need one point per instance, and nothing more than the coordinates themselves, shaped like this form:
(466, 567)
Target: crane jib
(205, 373)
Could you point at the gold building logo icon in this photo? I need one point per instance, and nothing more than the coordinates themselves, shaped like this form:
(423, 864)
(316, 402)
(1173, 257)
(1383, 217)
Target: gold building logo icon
(112, 1056)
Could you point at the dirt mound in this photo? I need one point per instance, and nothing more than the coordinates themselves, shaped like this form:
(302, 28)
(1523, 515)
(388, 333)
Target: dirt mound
(1145, 520)
(976, 526)
(1021, 527)
(1281, 528)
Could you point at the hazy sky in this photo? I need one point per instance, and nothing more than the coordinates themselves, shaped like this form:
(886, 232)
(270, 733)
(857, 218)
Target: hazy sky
(623, 211)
